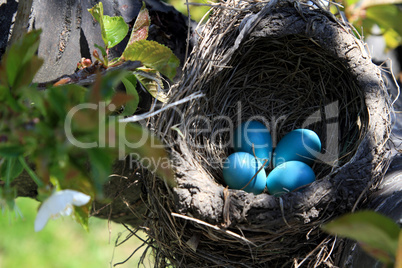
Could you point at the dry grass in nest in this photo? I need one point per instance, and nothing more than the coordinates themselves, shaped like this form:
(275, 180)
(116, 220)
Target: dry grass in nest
(291, 67)
(285, 83)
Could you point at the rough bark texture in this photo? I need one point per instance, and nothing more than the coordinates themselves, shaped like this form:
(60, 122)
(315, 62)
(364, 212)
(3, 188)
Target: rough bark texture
(70, 32)
(7, 10)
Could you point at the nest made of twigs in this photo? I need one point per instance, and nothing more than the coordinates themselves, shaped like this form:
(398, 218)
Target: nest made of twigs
(289, 65)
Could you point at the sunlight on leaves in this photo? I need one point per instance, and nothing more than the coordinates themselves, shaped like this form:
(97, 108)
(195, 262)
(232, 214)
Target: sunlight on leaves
(152, 82)
(116, 29)
(113, 29)
(153, 55)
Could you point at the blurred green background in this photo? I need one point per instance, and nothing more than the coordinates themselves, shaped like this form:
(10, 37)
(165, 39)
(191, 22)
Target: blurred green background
(63, 243)
(196, 11)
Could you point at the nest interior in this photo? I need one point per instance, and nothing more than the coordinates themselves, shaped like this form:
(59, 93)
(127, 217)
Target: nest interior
(286, 83)
(289, 66)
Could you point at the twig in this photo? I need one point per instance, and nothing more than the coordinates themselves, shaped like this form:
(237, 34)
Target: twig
(136, 118)
(87, 76)
(226, 206)
(214, 227)
(283, 212)
(188, 29)
(216, 6)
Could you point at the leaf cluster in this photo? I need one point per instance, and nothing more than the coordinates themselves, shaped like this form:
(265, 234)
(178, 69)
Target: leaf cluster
(156, 58)
(68, 136)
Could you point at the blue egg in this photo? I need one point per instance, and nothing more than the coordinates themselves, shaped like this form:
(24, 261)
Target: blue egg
(253, 134)
(299, 145)
(289, 176)
(239, 168)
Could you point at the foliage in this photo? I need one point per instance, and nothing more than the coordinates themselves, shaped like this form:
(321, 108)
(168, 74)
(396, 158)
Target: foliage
(113, 29)
(68, 137)
(378, 235)
(386, 14)
(156, 58)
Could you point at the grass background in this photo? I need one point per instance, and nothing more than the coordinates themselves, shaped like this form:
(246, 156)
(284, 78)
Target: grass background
(63, 243)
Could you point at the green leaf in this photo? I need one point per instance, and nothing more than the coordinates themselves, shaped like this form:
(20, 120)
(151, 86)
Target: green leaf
(392, 39)
(398, 259)
(116, 29)
(7, 197)
(28, 72)
(101, 161)
(31, 173)
(130, 83)
(57, 102)
(11, 150)
(146, 148)
(10, 169)
(9, 99)
(377, 234)
(97, 12)
(20, 61)
(153, 55)
(389, 19)
(141, 26)
(81, 215)
(152, 82)
(102, 49)
(108, 84)
(113, 29)
(350, 2)
(120, 99)
(379, 254)
(4, 92)
(37, 99)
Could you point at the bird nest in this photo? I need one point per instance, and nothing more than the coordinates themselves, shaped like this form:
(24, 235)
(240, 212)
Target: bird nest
(289, 65)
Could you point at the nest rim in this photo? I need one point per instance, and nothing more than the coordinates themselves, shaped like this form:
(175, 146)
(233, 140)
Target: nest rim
(226, 216)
